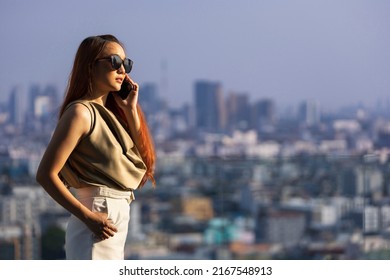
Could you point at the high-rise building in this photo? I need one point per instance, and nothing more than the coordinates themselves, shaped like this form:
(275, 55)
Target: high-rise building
(238, 111)
(148, 98)
(44, 102)
(15, 116)
(309, 113)
(263, 114)
(286, 227)
(42, 107)
(210, 110)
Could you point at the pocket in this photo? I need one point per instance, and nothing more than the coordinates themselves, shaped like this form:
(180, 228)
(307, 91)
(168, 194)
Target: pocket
(99, 204)
(118, 211)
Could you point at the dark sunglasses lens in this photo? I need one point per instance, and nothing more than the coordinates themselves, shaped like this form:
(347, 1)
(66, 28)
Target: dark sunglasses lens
(128, 64)
(116, 62)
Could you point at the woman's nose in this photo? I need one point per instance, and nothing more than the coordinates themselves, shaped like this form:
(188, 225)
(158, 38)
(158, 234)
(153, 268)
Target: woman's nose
(122, 69)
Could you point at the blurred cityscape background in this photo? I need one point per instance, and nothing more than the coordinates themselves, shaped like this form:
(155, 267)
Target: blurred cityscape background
(271, 121)
(235, 179)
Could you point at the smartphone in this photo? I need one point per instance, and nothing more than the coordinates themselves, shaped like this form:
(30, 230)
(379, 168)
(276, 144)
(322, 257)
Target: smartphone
(125, 89)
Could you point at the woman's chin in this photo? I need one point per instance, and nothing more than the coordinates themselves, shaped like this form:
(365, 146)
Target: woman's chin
(116, 88)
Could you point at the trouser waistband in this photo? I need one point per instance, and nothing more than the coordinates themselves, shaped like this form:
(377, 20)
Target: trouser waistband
(105, 192)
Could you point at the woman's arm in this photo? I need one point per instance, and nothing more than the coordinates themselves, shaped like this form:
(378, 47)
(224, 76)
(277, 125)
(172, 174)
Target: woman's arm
(129, 108)
(138, 129)
(73, 125)
(133, 121)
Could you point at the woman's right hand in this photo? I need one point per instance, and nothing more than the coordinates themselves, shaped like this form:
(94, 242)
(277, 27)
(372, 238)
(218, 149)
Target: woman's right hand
(100, 225)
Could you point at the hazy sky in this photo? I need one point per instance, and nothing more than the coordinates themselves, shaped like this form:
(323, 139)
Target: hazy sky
(336, 52)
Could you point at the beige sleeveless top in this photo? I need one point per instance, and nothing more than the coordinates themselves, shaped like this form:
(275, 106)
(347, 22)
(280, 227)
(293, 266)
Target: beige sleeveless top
(106, 156)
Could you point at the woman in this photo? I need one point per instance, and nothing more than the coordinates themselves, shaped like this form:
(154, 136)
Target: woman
(101, 148)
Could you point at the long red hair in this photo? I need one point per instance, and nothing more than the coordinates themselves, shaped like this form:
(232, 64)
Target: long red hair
(80, 87)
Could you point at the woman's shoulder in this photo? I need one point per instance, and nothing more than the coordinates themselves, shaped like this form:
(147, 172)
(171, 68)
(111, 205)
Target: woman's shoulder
(79, 107)
(79, 103)
(79, 111)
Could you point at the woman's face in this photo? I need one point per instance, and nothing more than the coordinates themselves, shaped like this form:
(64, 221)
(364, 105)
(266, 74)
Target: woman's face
(106, 78)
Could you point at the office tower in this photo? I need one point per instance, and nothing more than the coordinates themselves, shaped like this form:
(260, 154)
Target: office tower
(148, 98)
(33, 92)
(371, 218)
(263, 114)
(43, 107)
(135, 223)
(238, 111)
(209, 106)
(15, 107)
(43, 103)
(189, 115)
(286, 227)
(309, 113)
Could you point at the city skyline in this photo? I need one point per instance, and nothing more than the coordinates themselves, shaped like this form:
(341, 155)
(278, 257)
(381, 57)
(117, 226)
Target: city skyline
(237, 183)
(329, 51)
(292, 188)
(150, 95)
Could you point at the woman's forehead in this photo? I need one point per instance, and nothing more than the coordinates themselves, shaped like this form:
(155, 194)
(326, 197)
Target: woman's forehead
(114, 48)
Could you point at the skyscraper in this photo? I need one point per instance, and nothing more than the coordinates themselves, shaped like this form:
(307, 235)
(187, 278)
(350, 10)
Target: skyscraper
(15, 107)
(263, 114)
(43, 108)
(309, 113)
(148, 98)
(43, 103)
(210, 110)
(238, 111)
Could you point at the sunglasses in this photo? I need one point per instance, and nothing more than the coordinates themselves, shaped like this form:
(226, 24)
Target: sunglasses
(116, 62)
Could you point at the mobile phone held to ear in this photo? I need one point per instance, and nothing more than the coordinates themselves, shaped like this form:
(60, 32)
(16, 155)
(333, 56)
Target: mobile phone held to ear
(125, 89)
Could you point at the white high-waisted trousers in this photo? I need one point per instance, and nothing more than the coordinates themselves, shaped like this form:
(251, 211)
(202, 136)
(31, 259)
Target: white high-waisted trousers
(80, 242)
